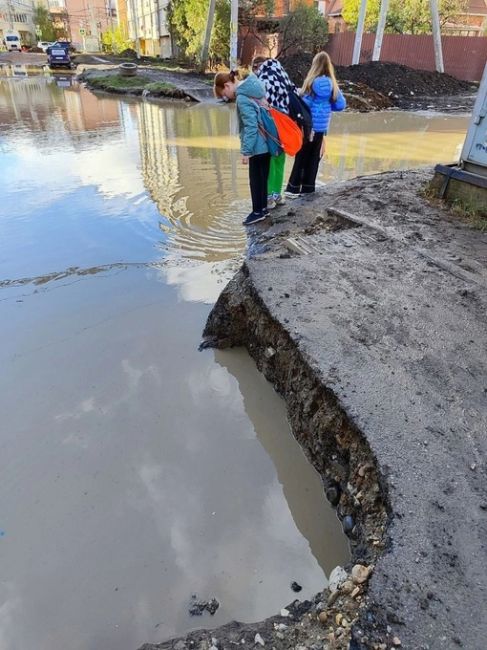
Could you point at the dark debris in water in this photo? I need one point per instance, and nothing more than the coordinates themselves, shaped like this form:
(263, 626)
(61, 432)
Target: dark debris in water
(198, 607)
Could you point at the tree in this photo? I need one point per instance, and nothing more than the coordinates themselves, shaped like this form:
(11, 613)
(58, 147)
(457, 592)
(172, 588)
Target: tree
(404, 16)
(116, 40)
(256, 17)
(187, 19)
(351, 10)
(416, 17)
(303, 29)
(43, 21)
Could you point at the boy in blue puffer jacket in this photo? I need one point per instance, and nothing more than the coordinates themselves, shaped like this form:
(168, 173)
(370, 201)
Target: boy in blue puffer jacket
(320, 91)
(249, 94)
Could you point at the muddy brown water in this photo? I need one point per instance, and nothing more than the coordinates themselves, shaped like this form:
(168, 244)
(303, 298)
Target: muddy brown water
(136, 471)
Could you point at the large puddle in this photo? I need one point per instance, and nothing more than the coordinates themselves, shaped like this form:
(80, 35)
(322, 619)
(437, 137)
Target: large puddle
(136, 471)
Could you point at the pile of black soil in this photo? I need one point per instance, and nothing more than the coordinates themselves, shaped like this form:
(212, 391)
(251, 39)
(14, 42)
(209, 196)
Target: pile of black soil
(393, 79)
(377, 85)
(128, 53)
(360, 96)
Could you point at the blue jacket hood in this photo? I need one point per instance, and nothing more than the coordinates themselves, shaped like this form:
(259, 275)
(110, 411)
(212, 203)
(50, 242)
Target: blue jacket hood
(322, 87)
(321, 103)
(251, 87)
(252, 141)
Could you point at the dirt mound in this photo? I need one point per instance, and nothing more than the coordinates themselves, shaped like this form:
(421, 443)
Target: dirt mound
(360, 97)
(297, 66)
(397, 80)
(377, 85)
(128, 53)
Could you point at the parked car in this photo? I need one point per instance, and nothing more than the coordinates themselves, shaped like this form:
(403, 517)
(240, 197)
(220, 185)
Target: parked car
(58, 57)
(43, 45)
(65, 44)
(12, 41)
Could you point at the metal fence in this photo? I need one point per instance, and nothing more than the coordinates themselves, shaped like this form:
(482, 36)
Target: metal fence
(464, 56)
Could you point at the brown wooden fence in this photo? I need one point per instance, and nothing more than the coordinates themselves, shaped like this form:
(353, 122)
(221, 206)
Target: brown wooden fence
(464, 56)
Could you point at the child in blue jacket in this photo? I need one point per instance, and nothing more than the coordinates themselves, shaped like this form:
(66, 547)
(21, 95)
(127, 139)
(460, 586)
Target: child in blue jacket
(320, 91)
(253, 145)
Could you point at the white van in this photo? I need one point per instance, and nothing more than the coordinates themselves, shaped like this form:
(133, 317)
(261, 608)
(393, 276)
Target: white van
(11, 40)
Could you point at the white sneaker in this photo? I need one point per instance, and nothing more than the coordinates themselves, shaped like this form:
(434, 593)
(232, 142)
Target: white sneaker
(271, 204)
(278, 198)
(291, 195)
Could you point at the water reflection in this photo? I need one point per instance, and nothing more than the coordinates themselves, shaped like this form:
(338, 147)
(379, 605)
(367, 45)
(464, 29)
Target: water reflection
(133, 474)
(193, 187)
(301, 484)
(177, 169)
(374, 142)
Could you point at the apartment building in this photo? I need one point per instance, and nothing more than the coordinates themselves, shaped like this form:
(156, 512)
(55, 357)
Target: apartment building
(18, 15)
(88, 19)
(148, 27)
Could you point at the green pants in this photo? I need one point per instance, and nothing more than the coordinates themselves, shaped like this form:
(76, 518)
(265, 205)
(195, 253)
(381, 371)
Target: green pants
(276, 174)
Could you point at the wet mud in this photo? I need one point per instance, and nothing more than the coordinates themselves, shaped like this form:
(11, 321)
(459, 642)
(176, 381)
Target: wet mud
(372, 327)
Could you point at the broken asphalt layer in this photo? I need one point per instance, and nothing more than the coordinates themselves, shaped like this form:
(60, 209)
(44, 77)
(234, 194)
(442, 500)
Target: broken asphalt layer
(389, 310)
(365, 306)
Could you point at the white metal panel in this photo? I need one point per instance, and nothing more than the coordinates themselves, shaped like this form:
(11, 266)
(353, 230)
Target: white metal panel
(475, 147)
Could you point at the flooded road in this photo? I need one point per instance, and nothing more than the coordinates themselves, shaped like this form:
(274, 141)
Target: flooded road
(136, 471)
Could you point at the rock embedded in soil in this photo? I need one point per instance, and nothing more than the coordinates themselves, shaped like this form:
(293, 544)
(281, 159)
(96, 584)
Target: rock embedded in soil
(360, 573)
(348, 524)
(337, 577)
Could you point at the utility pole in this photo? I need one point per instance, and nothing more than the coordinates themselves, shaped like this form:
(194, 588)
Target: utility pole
(357, 46)
(10, 14)
(384, 6)
(435, 20)
(233, 34)
(206, 42)
(136, 31)
(158, 22)
(93, 25)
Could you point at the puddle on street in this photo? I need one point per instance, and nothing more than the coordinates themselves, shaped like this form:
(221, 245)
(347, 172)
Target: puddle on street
(136, 471)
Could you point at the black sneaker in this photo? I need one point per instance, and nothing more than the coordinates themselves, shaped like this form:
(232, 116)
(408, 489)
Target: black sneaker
(254, 217)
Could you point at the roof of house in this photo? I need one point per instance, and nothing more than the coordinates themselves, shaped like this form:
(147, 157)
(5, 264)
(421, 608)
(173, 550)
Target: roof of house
(477, 7)
(335, 8)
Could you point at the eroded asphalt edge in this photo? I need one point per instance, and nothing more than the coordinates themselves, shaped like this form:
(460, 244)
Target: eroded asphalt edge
(390, 315)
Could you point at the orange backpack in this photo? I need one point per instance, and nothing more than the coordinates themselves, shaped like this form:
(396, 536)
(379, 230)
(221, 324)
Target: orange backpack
(290, 134)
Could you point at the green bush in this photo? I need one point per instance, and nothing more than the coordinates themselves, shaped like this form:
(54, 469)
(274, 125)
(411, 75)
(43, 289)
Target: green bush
(116, 40)
(187, 19)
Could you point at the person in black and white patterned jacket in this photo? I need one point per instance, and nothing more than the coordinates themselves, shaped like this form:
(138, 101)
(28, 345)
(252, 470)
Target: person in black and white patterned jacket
(277, 86)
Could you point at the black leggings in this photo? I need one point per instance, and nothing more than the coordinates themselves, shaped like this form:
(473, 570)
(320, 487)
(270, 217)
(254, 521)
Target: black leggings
(305, 168)
(258, 174)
